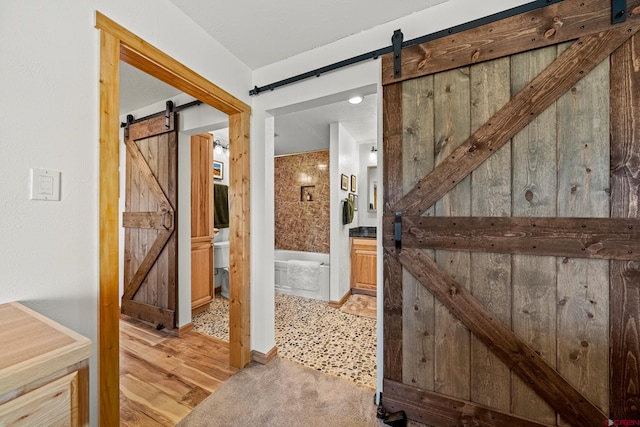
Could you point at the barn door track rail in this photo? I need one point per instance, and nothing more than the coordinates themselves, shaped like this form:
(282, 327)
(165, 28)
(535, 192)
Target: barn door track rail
(398, 44)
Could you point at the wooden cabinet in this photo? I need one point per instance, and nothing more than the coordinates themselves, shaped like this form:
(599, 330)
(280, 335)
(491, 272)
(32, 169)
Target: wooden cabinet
(201, 222)
(363, 265)
(44, 373)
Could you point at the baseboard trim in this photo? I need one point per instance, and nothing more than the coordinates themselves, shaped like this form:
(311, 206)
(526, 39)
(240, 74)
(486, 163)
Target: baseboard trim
(263, 358)
(185, 329)
(338, 304)
(362, 291)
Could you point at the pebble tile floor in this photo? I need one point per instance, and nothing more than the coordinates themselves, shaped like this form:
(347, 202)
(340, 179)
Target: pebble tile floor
(311, 333)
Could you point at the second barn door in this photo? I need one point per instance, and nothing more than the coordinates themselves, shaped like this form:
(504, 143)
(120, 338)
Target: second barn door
(150, 261)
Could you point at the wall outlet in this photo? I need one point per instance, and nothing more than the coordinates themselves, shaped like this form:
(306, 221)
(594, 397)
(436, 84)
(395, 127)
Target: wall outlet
(45, 184)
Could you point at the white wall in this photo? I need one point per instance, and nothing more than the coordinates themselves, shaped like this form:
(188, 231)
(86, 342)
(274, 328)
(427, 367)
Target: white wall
(365, 218)
(49, 119)
(343, 159)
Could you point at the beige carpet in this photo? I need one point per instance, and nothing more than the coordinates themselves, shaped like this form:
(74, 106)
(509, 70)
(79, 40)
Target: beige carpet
(284, 394)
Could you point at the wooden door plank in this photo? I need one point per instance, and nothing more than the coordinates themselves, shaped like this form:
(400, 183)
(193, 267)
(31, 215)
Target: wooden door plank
(157, 316)
(533, 278)
(154, 126)
(155, 220)
(452, 127)
(146, 174)
(392, 270)
(490, 281)
(517, 355)
(170, 183)
(141, 273)
(560, 22)
(583, 191)
(443, 411)
(595, 238)
(144, 241)
(418, 157)
(152, 284)
(568, 69)
(624, 287)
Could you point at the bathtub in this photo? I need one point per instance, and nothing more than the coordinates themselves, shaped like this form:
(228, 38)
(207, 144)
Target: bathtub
(282, 284)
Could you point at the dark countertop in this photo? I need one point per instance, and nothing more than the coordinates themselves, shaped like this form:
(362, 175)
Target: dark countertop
(368, 232)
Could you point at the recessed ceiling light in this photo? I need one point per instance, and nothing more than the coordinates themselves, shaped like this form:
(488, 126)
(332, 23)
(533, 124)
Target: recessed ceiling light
(355, 100)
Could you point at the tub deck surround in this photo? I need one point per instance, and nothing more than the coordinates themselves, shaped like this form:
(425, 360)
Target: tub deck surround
(285, 285)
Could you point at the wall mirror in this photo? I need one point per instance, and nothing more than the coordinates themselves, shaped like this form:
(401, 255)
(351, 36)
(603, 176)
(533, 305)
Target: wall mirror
(372, 188)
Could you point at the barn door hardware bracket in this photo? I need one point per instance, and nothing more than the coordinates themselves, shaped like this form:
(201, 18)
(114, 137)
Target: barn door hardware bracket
(167, 114)
(618, 11)
(397, 231)
(396, 41)
(126, 125)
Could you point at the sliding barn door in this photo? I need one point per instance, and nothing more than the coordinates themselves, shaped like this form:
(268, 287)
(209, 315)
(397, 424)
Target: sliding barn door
(150, 261)
(511, 164)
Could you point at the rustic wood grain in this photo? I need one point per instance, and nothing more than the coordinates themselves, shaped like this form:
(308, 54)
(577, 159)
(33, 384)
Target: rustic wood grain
(574, 407)
(624, 287)
(392, 270)
(596, 238)
(583, 191)
(490, 281)
(239, 239)
(151, 127)
(418, 316)
(560, 22)
(452, 127)
(107, 353)
(163, 377)
(569, 68)
(155, 220)
(439, 410)
(534, 177)
(202, 289)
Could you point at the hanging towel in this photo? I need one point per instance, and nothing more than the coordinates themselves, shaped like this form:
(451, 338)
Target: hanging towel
(347, 211)
(220, 206)
(304, 275)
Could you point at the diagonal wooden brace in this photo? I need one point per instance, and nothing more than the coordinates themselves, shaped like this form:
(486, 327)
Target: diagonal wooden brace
(574, 408)
(567, 70)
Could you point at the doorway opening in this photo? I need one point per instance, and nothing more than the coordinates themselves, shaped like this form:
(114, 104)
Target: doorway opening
(117, 43)
(317, 145)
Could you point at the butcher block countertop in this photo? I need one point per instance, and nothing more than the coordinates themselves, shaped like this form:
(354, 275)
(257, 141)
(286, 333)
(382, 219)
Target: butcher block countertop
(35, 347)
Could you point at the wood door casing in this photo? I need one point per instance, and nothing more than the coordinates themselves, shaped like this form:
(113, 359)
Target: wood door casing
(515, 332)
(201, 221)
(150, 259)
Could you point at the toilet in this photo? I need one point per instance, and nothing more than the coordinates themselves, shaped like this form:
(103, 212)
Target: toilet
(221, 266)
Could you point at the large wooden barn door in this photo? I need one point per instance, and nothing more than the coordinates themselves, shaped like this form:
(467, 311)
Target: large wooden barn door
(511, 230)
(150, 260)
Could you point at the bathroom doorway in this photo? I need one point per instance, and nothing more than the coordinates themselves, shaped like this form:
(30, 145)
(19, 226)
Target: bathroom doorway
(210, 227)
(322, 151)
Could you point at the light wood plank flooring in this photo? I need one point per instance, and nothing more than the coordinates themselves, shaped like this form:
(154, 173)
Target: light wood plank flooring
(163, 377)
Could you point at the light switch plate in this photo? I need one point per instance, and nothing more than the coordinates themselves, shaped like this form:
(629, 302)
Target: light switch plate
(45, 184)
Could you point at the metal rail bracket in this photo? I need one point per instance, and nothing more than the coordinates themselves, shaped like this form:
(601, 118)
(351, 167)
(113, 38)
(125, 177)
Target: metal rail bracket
(618, 11)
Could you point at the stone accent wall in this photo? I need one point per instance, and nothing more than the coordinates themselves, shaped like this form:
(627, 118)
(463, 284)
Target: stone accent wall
(302, 224)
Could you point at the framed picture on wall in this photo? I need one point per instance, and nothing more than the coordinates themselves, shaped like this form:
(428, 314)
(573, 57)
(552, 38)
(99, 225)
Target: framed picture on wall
(218, 170)
(344, 182)
(353, 183)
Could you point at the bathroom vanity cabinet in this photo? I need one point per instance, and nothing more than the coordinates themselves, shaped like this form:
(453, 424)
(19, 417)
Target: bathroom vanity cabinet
(44, 372)
(363, 265)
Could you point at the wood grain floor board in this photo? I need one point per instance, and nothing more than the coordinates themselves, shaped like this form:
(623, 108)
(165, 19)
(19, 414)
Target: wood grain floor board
(163, 377)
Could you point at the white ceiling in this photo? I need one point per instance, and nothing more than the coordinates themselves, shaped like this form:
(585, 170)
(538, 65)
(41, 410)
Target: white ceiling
(260, 33)
(266, 32)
